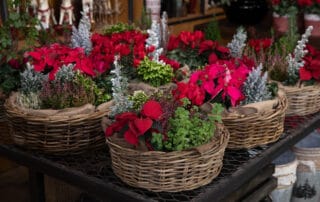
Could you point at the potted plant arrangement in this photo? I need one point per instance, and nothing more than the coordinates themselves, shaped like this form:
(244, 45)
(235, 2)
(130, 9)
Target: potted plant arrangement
(192, 51)
(311, 10)
(301, 79)
(250, 101)
(62, 98)
(282, 11)
(176, 145)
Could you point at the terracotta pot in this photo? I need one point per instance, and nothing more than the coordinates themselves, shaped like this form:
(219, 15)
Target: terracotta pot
(313, 20)
(280, 23)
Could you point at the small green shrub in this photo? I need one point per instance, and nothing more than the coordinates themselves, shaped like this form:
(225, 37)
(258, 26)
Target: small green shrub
(154, 73)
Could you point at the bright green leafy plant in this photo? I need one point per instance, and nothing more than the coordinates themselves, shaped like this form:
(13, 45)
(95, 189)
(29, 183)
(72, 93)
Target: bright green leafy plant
(154, 72)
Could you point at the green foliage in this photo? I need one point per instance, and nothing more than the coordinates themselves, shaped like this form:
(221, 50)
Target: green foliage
(138, 99)
(189, 57)
(273, 88)
(9, 79)
(212, 31)
(157, 141)
(95, 94)
(154, 73)
(190, 128)
(18, 24)
(104, 85)
(118, 28)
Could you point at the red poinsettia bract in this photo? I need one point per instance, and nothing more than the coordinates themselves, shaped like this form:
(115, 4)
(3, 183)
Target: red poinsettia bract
(311, 68)
(129, 44)
(54, 56)
(136, 125)
(223, 78)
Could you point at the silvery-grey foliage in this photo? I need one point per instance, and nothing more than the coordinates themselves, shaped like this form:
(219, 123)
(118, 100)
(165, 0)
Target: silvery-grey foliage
(238, 43)
(119, 89)
(81, 37)
(65, 74)
(255, 88)
(154, 40)
(31, 81)
(295, 62)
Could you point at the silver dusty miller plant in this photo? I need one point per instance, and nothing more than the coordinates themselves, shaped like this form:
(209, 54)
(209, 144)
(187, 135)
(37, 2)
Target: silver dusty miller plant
(31, 81)
(65, 74)
(154, 40)
(31, 84)
(81, 37)
(255, 87)
(295, 62)
(238, 43)
(119, 89)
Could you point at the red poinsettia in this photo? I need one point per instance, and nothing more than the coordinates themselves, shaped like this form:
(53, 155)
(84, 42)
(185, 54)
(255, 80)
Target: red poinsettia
(54, 56)
(190, 46)
(311, 68)
(129, 45)
(137, 124)
(224, 78)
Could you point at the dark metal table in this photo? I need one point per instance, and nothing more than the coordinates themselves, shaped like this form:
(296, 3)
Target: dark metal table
(92, 171)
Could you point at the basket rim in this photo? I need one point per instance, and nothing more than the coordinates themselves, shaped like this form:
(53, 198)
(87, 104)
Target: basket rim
(16, 110)
(283, 102)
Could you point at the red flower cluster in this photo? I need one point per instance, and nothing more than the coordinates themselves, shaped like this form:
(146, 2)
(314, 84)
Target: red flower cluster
(309, 6)
(137, 124)
(223, 78)
(174, 64)
(307, 3)
(54, 56)
(311, 68)
(196, 41)
(129, 43)
(260, 44)
(185, 40)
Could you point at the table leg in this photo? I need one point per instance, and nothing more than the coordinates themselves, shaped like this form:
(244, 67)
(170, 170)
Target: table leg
(36, 184)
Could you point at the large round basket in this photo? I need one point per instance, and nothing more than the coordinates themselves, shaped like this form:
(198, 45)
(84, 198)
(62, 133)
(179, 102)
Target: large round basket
(302, 100)
(57, 132)
(256, 124)
(169, 171)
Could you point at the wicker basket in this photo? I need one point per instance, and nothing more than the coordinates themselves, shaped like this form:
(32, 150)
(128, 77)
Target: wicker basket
(169, 171)
(302, 100)
(4, 128)
(263, 125)
(57, 132)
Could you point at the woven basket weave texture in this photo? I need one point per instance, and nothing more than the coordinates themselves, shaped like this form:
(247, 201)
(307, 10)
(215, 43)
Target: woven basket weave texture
(257, 129)
(170, 171)
(57, 134)
(302, 100)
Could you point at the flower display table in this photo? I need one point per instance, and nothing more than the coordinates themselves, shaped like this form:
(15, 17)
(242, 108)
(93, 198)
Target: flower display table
(92, 171)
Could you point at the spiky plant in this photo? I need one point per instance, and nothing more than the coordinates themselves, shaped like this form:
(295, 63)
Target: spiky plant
(295, 61)
(81, 37)
(119, 89)
(255, 87)
(238, 43)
